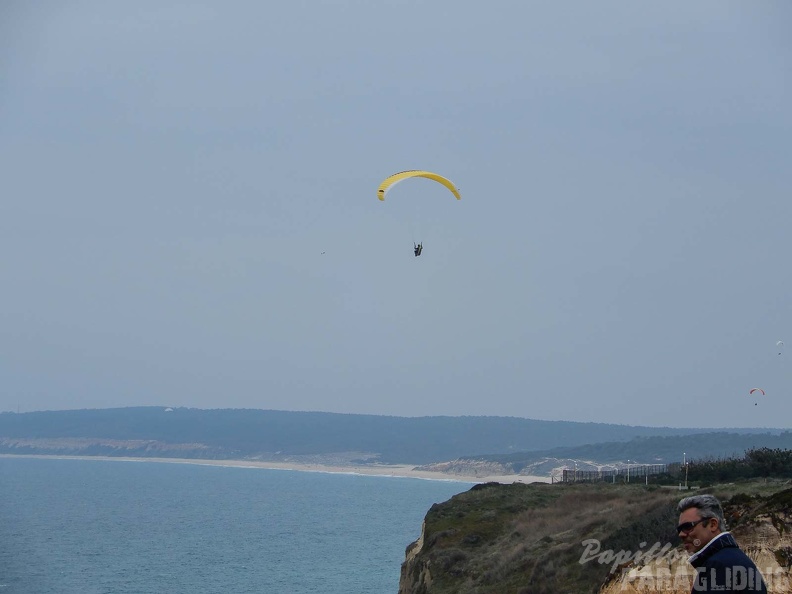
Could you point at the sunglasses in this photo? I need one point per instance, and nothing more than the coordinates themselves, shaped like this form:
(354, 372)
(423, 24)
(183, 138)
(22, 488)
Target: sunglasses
(688, 526)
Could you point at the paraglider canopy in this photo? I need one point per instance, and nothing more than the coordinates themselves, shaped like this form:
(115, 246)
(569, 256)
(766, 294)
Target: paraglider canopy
(394, 179)
(755, 392)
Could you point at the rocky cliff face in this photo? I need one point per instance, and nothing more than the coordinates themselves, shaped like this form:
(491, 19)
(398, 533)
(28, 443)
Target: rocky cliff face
(521, 539)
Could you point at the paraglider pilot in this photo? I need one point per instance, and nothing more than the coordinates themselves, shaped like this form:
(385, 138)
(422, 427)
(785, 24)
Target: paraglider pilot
(417, 248)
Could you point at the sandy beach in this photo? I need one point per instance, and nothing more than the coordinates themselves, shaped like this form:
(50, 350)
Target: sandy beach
(386, 470)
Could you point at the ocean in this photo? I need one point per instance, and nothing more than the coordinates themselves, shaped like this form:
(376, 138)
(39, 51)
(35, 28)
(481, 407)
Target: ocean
(116, 527)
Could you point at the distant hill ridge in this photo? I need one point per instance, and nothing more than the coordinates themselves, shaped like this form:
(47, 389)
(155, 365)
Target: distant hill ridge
(271, 434)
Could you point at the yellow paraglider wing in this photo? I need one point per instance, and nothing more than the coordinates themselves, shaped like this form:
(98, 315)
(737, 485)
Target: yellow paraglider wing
(394, 179)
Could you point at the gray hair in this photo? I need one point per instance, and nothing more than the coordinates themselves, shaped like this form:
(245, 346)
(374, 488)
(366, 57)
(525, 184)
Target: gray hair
(708, 506)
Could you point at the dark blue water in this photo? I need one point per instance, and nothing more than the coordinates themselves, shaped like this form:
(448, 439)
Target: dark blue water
(85, 526)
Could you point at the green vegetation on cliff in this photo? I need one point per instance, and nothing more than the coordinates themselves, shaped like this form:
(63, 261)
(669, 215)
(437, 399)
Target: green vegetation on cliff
(505, 538)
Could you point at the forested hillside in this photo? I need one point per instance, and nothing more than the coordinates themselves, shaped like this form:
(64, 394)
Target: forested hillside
(248, 433)
(650, 450)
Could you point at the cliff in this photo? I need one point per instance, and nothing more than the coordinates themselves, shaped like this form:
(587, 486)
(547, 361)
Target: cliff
(584, 538)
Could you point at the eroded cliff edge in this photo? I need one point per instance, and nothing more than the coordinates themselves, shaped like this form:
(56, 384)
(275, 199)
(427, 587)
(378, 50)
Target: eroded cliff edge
(584, 538)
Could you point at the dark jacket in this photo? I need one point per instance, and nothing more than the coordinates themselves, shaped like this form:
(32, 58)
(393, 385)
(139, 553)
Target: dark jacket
(722, 567)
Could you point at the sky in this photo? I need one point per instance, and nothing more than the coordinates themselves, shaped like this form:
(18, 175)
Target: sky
(188, 209)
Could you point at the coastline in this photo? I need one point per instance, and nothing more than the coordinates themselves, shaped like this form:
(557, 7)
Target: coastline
(384, 470)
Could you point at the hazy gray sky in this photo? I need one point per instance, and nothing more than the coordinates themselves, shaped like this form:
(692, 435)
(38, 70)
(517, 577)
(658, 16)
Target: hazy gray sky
(188, 211)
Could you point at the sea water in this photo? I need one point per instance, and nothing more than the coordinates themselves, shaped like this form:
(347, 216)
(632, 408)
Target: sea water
(90, 526)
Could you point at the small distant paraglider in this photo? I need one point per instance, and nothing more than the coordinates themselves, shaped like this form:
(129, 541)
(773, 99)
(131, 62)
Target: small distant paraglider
(756, 391)
(780, 346)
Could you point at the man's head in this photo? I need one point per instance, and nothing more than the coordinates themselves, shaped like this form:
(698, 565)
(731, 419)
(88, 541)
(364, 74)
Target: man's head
(700, 520)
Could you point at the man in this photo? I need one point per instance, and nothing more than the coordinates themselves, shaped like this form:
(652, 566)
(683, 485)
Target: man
(721, 566)
(417, 248)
